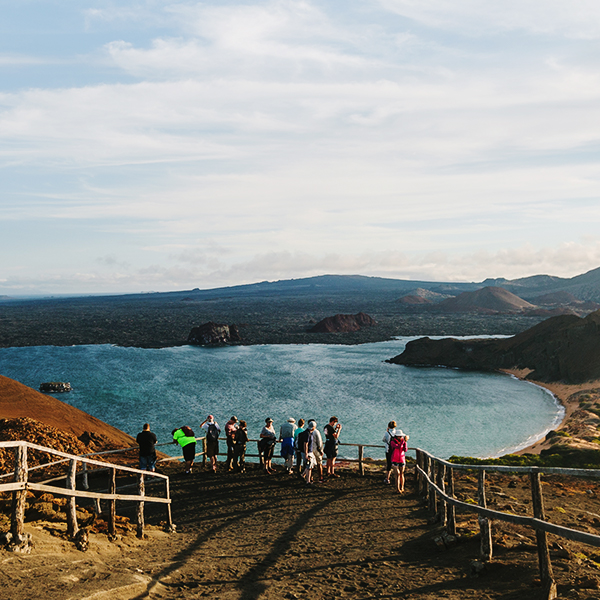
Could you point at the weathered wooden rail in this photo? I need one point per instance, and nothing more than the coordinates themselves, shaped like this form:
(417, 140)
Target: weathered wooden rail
(360, 460)
(21, 485)
(434, 474)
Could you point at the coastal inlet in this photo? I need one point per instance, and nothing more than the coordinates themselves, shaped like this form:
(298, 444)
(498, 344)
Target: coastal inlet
(445, 411)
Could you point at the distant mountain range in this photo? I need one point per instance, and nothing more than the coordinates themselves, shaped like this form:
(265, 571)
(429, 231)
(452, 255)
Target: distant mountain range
(581, 288)
(539, 290)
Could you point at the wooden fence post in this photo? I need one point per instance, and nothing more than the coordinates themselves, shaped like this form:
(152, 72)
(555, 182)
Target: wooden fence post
(170, 526)
(72, 526)
(112, 504)
(485, 526)
(426, 470)
(433, 499)
(140, 506)
(418, 463)
(441, 476)
(361, 464)
(85, 484)
(203, 452)
(546, 575)
(17, 526)
(450, 508)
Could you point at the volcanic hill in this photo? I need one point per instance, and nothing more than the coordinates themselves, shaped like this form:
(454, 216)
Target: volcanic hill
(19, 402)
(343, 323)
(489, 299)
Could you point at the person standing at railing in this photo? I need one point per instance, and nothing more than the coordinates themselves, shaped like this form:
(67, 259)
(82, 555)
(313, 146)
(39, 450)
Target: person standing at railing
(332, 433)
(212, 440)
(184, 436)
(398, 447)
(147, 440)
(308, 441)
(387, 436)
(299, 430)
(239, 448)
(286, 437)
(267, 445)
(230, 429)
(318, 450)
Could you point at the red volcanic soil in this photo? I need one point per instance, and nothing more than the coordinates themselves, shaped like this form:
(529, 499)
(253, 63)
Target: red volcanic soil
(18, 400)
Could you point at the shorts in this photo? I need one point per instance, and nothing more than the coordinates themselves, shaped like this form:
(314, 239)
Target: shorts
(331, 448)
(399, 464)
(318, 458)
(189, 451)
(212, 448)
(147, 463)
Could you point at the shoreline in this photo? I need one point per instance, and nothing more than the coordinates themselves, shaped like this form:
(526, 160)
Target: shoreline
(568, 395)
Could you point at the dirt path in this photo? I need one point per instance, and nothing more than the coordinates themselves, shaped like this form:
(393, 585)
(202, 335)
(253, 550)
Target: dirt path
(250, 536)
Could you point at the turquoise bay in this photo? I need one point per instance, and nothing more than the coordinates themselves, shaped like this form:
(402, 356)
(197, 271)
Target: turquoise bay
(445, 411)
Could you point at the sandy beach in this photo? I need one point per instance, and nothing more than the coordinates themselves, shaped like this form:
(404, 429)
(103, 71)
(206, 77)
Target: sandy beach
(578, 423)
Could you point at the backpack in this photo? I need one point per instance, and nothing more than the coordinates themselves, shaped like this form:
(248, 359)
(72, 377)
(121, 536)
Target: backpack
(301, 440)
(212, 433)
(187, 431)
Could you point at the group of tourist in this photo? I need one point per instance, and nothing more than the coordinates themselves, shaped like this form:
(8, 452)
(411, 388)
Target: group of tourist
(302, 447)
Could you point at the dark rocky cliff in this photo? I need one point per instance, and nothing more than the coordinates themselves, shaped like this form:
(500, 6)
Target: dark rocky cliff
(211, 333)
(564, 348)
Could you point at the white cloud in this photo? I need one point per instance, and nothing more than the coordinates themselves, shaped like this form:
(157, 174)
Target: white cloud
(578, 18)
(313, 139)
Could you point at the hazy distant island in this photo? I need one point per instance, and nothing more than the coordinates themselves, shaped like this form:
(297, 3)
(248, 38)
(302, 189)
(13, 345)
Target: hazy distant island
(281, 312)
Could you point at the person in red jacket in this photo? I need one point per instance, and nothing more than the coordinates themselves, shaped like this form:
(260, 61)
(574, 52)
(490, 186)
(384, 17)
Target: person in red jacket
(398, 448)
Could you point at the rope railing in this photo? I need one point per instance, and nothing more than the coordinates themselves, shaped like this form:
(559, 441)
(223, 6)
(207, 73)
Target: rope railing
(434, 474)
(21, 485)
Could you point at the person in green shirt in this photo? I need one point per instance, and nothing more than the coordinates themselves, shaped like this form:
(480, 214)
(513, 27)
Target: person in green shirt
(184, 436)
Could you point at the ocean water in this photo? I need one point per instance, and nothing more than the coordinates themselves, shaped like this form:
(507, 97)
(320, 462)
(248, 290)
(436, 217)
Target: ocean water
(445, 411)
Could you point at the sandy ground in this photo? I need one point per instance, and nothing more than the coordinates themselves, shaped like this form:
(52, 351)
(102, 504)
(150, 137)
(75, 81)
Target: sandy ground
(250, 536)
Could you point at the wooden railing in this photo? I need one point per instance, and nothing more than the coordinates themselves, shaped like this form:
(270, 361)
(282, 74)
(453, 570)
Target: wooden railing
(434, 474)
(21, 485)
(360, 460)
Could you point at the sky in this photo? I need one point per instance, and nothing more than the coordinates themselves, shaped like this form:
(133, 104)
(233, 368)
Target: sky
(151, 145)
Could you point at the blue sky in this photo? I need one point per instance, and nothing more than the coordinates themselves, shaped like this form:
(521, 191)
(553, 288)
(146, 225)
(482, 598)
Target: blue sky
(159, 145)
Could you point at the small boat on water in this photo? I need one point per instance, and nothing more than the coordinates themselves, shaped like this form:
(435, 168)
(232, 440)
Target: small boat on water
(53, 387)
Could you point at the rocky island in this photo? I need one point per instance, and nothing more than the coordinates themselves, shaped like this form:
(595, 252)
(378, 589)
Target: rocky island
(560, 349)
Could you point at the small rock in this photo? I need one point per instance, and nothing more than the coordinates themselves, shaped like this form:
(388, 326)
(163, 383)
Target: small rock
(476, 567)
(82, 539)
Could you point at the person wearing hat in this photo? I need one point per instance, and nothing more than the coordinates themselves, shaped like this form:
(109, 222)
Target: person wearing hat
(398, 448)
(309, 440)
(267, 441)
(286, 437)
